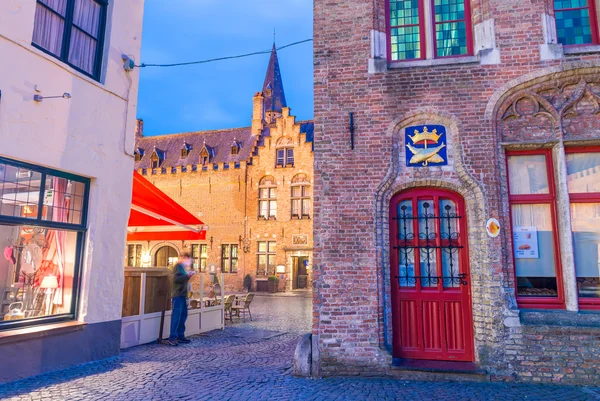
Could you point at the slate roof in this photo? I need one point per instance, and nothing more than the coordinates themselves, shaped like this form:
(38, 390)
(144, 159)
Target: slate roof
(218, 143)
(273, 84)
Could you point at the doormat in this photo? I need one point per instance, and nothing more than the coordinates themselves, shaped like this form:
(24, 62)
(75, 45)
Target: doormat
(254, 334)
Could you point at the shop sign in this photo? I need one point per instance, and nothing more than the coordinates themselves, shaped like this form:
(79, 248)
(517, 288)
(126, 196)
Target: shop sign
(425, 146)
(299, 239)
(49, 197)
(492, 227)
(526, 242)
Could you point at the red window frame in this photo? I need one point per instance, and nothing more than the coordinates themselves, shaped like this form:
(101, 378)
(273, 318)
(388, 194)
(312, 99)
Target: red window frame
(593, 21)
(584, 303)
(431, 27)
(539, 199)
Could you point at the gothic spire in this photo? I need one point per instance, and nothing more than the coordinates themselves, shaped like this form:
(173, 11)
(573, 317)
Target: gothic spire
(273, 86)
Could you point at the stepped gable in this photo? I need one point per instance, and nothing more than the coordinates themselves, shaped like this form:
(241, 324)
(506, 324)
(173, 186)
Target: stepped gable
(218, 143)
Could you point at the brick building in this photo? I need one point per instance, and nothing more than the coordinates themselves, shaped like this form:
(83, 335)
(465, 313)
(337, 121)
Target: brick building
(251, 186)
(431, 120)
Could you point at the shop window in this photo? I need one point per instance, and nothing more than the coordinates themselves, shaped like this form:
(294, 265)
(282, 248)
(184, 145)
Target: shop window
(42, 231)
(166, 256)
(576, 22)
(583, 181)
(229, 258)
(412, 33)
(300, 197)
(72, 31)
(267, 198)
(134, 255)
(200, 256)
(266, 258)
(535, 241)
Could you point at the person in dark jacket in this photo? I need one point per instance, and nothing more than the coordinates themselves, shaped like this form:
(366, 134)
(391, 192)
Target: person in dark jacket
(181, 275)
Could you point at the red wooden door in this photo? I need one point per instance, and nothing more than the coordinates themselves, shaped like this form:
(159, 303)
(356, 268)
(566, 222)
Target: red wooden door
(431, 293)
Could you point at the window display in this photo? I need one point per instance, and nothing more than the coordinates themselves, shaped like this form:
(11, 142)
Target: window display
(42, 225)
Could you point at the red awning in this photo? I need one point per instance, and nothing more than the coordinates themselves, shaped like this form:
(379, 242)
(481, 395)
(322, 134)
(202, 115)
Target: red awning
(156, 217)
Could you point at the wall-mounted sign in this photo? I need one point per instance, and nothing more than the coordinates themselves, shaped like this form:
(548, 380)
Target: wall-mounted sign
(425, 146)
(299, 239)
(526, 243)
(280, 269)
(492, 227)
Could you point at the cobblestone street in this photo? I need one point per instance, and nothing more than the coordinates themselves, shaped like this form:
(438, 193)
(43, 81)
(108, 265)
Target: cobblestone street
(251, 361)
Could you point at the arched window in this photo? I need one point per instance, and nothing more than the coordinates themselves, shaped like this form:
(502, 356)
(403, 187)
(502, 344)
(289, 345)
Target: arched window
(166, 257)
(300, 197)
(267, 198)
(285, 152)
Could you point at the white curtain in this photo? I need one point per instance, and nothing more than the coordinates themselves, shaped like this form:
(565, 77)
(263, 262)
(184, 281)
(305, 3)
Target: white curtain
(84, 35)
(49, 27)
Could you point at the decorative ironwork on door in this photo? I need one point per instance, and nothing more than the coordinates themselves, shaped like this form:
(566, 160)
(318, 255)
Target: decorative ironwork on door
(427, 245)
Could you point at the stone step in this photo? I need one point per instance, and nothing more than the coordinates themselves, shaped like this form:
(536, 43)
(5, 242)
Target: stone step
(413, 369)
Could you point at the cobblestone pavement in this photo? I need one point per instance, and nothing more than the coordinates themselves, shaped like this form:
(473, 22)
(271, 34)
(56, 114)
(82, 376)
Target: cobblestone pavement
(251, 361)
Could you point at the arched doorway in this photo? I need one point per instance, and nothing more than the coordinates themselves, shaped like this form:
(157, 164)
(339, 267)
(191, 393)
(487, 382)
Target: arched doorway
(431, 292)
(166, 257)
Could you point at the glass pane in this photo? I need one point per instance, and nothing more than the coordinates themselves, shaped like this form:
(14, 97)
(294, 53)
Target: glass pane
(296, 207)
(63, 200)
(272, 192)
(59, 6)
(86, 16)
(585, 222)
(305, 207)
(572, 22)
(449, 220)
(82, 51)
(405, 33)
(533, 244)
(296, 192)
(271, 267)
(37, 272)
(406, 267)
(527, 175)
(451, 39)
(262, 247)
(272, 208)
(263, 208)
(450, 268)
(583, 170)
(49, 28)
(272, 246)
(234, 251)
(428, 267)
(404, 213)
(19, 191)
(203, 251)
(426, 220)
(262, 265)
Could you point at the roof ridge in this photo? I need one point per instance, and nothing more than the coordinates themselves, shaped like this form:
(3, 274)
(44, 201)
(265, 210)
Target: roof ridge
(196, 132)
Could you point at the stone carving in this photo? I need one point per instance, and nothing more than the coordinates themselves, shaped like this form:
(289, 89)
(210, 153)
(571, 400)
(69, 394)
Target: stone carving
(553, 109)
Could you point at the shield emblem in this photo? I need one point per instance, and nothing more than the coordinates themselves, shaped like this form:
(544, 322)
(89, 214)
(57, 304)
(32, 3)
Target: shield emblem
(425, 146)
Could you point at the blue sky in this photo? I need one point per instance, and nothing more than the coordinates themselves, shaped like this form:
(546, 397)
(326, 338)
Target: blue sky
(219, 95)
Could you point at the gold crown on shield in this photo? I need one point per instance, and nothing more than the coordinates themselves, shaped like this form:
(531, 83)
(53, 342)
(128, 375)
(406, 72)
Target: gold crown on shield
(425, 136)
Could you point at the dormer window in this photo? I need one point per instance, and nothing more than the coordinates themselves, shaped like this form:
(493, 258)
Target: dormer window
(157, 158)
(206, 155)
(185, 150)
(155, 162)
(205, 160)
(138, 154)
(235, 148)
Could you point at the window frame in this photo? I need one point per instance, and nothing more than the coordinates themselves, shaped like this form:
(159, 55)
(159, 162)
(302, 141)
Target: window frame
(227, 258)
(79, 229)
(137, 261)
(304, 188)
(198, 259)
(66, 40)
(594, 197)
(427, 25)
(287, 160)
(268, 200)
(593, 13)
(549, 199)
(266, 253)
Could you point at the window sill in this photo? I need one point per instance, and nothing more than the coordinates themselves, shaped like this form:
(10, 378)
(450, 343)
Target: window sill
(536, 317)
(580, 49)
(29, 333)
(434, 62)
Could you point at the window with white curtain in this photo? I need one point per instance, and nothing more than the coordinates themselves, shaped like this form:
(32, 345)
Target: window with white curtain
(72, 31)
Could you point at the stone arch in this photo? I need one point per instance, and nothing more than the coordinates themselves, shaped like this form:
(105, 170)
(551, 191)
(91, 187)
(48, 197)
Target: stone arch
(267, 181)
(284, 142)
(300, 178)
(461, 182)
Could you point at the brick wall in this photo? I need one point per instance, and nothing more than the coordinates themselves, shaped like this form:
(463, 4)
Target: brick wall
(352, 302)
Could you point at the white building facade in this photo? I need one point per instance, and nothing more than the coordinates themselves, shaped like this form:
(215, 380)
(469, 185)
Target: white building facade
(67, 121)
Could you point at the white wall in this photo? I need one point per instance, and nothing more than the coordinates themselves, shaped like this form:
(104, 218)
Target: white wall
(86, 135)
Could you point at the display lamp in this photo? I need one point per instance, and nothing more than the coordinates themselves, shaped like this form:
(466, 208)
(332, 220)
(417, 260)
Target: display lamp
(49, 283)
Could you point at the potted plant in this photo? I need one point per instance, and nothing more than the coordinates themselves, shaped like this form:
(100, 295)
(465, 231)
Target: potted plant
(248, 282)
(273, 283)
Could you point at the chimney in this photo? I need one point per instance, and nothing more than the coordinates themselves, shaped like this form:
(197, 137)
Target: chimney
(139, 129)
(257, 113)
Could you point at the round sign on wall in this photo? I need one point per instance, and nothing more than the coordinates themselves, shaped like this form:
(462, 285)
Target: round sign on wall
(492, 227)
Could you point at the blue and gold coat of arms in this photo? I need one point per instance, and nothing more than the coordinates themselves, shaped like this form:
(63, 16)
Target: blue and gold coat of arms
(425, 146)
